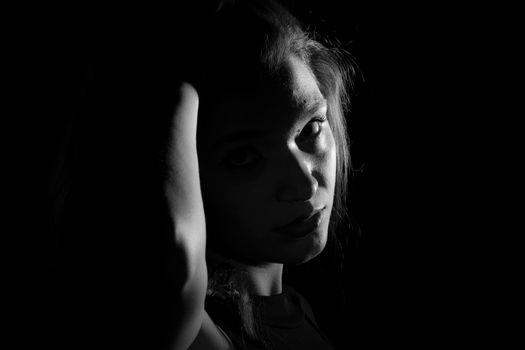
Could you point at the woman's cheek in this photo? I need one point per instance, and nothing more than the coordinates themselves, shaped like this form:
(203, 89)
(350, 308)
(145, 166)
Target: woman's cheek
(329, 157)
(325, 148)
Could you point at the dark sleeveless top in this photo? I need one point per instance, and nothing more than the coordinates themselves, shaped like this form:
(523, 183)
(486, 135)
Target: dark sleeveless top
(287, 319)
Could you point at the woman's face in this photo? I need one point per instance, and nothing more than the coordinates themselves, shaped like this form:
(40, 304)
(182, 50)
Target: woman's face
(267, 159)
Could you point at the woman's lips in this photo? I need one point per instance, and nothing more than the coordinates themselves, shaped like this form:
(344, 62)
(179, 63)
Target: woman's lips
(303, 225)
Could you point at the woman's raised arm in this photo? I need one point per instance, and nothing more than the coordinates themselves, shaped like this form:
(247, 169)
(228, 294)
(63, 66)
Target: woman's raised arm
(183, 194)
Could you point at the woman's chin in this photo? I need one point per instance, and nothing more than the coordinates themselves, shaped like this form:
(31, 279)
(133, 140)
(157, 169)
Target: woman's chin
(304, 249)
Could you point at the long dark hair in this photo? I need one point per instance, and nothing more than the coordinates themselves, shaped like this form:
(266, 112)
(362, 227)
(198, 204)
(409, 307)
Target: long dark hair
(269, 35)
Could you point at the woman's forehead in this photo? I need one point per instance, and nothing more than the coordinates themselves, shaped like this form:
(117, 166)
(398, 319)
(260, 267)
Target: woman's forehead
(272, 102)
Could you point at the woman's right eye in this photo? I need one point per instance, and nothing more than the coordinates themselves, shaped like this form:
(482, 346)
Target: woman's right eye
(242, 157)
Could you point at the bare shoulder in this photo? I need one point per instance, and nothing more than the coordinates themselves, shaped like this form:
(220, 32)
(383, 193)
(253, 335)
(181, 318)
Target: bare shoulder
(211, 337)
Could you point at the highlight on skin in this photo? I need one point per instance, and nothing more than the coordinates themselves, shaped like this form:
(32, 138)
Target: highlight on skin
(239, 66)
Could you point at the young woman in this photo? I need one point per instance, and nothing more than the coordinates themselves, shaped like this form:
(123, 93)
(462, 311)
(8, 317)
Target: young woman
(253, 164)
(258, 158)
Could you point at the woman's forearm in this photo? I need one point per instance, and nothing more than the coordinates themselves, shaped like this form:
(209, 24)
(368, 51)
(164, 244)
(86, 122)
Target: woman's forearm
(182, 185)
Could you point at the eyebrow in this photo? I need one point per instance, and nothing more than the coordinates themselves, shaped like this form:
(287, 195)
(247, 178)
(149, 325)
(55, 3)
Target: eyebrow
(305, 108)
(311, 107)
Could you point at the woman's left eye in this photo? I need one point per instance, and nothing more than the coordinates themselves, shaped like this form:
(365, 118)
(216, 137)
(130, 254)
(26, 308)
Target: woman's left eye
(313, 128)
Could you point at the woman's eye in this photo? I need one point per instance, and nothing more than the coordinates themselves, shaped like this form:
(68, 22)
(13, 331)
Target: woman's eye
(242, 158)
(313, 128)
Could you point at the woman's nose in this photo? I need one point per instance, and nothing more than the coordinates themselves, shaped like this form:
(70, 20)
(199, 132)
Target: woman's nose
(295, 179)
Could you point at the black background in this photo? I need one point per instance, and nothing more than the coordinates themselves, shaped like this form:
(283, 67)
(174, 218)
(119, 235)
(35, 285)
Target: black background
(410, 277)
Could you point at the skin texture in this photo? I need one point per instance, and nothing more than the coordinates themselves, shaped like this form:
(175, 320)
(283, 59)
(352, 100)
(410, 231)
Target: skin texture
(282, 169)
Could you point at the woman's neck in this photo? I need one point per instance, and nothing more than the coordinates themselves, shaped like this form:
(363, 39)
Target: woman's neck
(263, 279)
